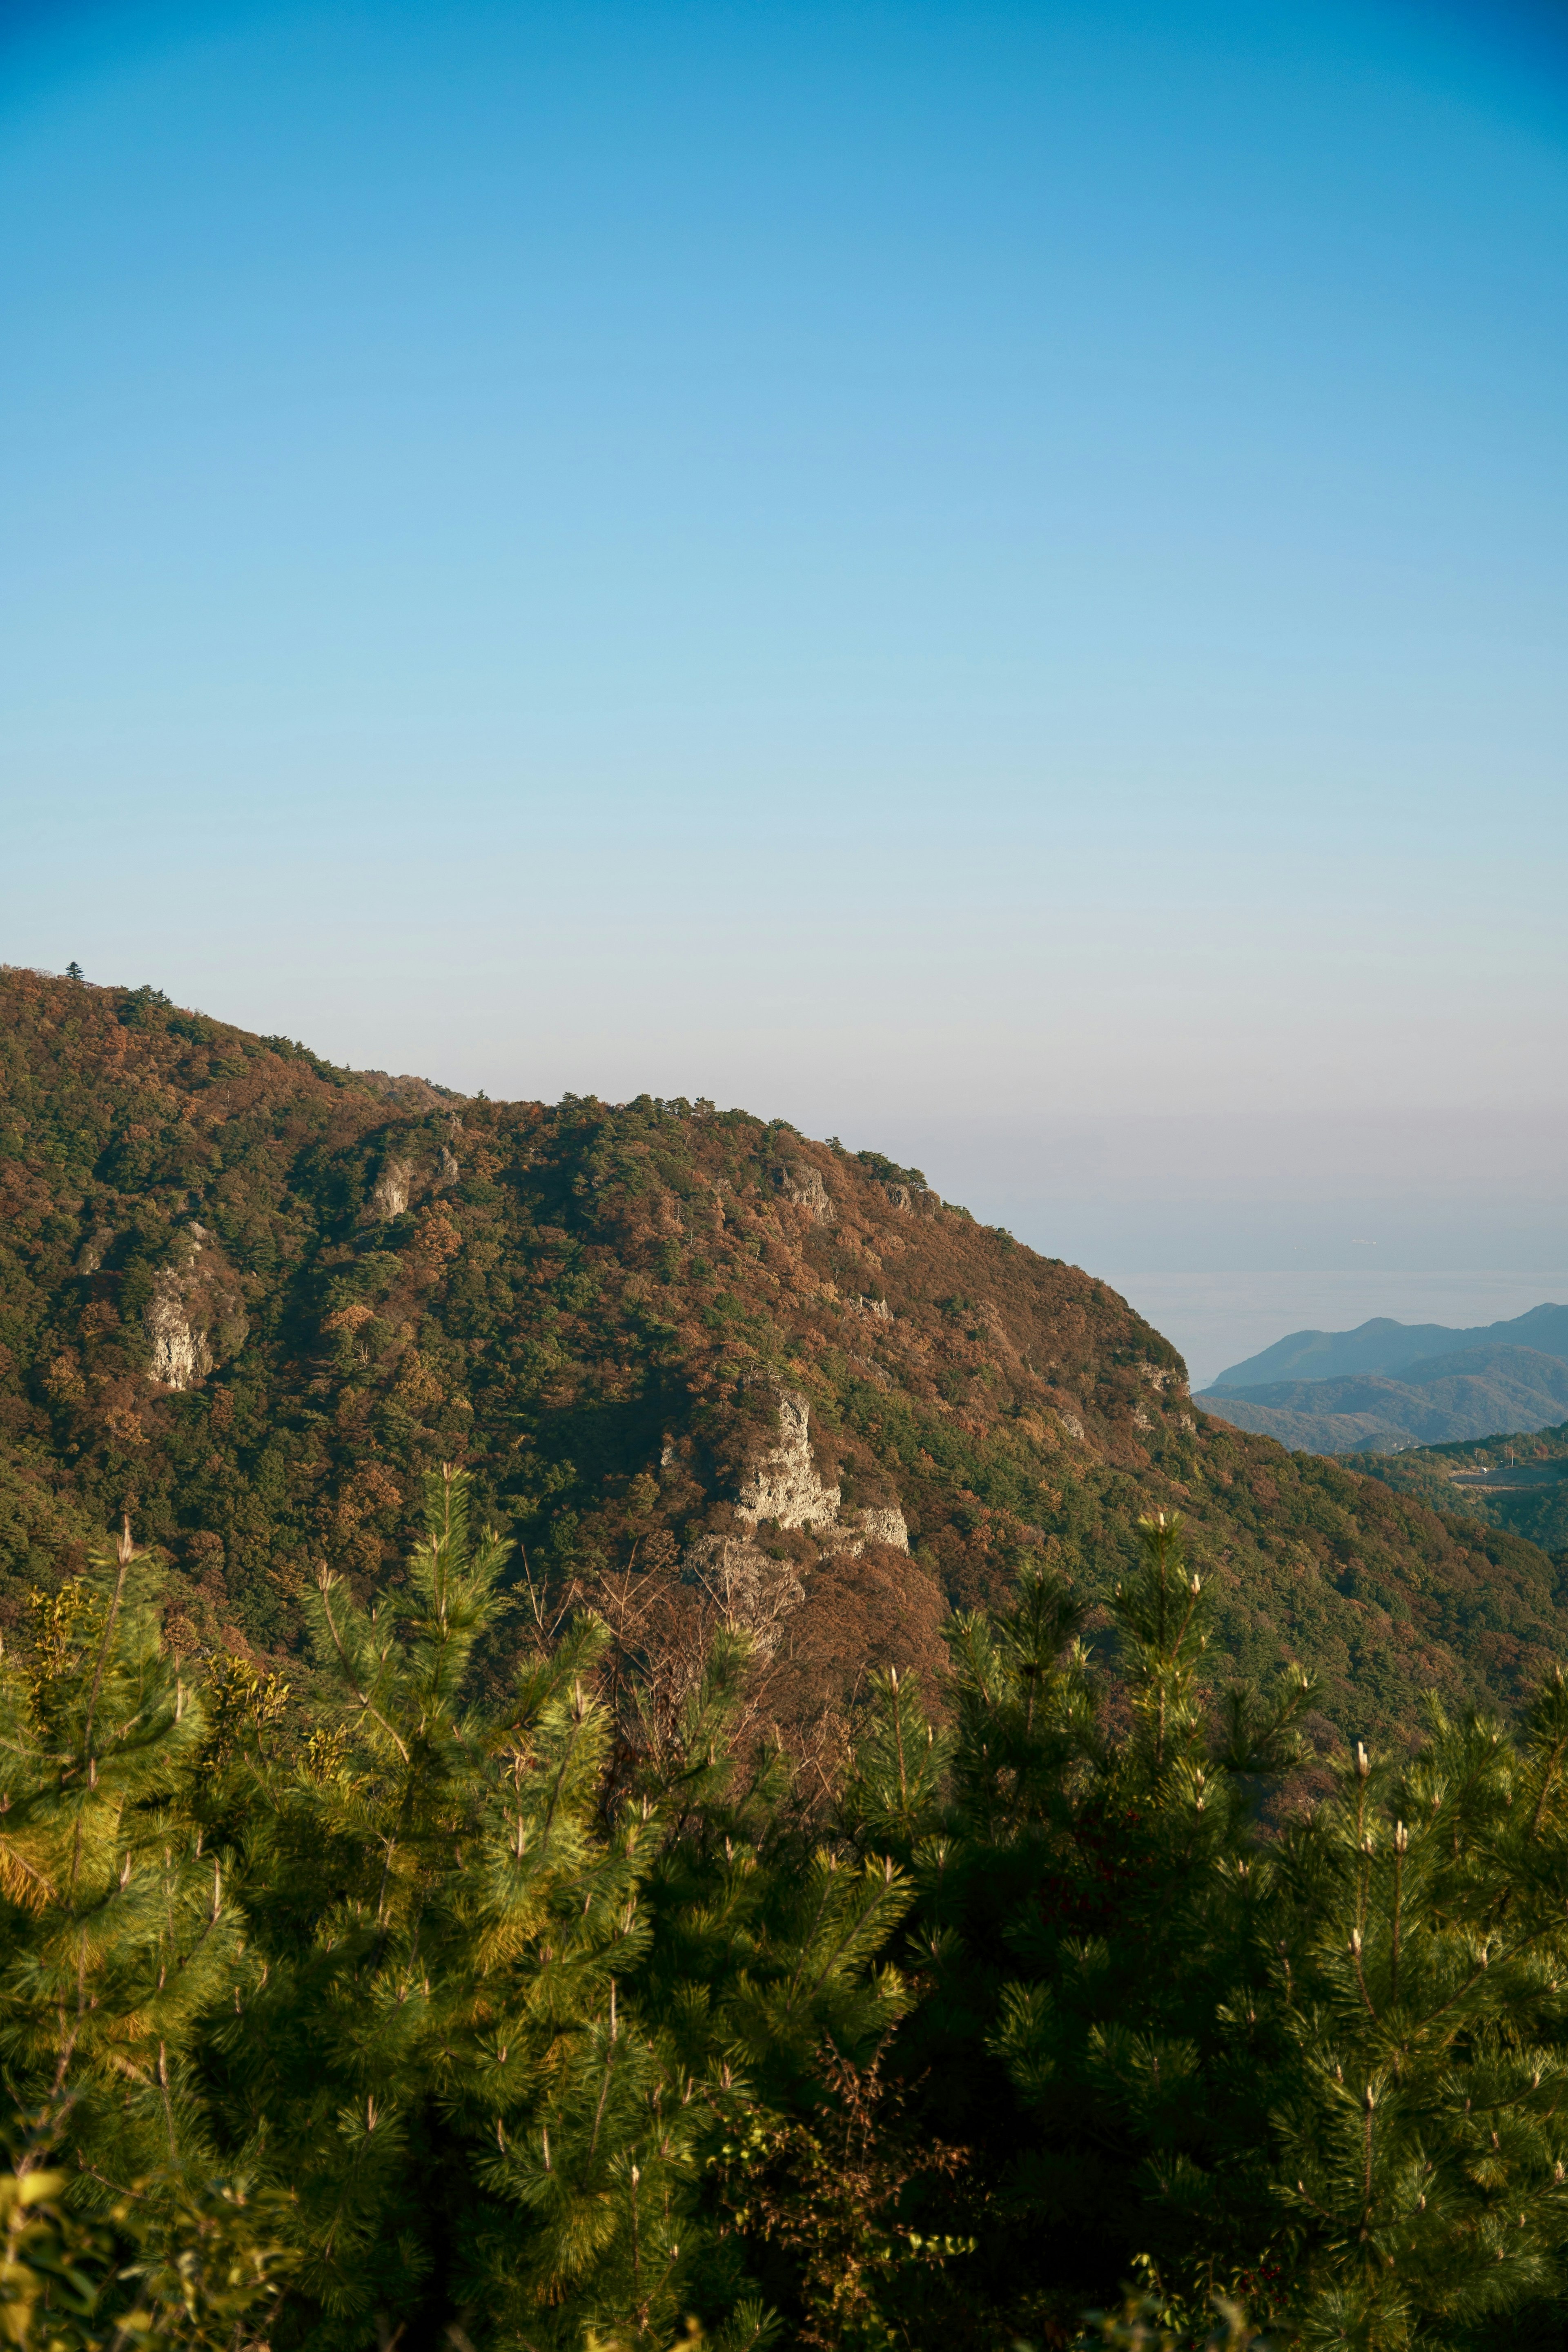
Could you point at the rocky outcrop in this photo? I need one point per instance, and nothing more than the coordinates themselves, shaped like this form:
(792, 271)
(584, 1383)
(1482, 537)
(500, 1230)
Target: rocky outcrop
(800, 1180)
(389, 1194)
(182, 1358)
(783, 1484)
(409, 1175)
(913, 1199)
(195, 1316)
(786, 1487)
(752, 1592)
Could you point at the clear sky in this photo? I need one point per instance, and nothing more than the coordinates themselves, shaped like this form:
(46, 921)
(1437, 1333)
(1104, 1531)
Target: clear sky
(992, 580)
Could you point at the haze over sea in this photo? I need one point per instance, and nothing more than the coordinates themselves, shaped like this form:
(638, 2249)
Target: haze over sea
(1218, 1319)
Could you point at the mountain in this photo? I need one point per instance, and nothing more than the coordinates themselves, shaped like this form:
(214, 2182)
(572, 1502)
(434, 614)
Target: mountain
(1440, 1397)
(693, 1360)
(1385, 1346)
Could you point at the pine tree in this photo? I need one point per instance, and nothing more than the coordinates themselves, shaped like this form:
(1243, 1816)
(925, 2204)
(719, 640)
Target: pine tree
(118, 1930)
(1089, 1906)
(1322, 2071)
(499, 2003)
(422, 2014)
(1424, 2145)
(430, 2050)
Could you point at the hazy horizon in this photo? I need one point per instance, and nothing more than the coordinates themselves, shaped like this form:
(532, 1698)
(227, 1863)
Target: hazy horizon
(991, 581)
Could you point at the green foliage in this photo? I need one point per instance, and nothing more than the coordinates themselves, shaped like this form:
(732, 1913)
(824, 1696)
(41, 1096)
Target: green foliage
(829, 2192)
(555, 2015)
(398, 1980)
(1315, 2073)
(387, 1943)
(1524, 1493)
(177, 2266)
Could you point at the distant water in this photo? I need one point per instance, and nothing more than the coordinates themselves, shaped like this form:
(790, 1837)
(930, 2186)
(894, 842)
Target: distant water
(1218, 1319)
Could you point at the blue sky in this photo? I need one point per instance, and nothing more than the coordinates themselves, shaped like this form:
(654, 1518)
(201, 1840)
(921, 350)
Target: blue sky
(992, 580)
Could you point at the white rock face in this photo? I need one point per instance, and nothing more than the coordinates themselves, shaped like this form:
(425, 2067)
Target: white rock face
(195, 1318)
(1071, 1424)
(181, 1356)
(784, 1485)
(390, 1197)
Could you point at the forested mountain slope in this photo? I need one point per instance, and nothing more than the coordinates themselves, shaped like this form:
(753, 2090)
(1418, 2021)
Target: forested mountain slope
(249, 1298)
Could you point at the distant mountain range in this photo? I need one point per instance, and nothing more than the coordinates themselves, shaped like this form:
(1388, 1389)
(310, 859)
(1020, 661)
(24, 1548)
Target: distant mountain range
(1388, 1385)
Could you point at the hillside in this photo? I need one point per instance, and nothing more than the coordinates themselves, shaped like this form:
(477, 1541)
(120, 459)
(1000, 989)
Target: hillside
(1518, 1483)
(1437, 1399)
(249, 1297)
(1387, 1347)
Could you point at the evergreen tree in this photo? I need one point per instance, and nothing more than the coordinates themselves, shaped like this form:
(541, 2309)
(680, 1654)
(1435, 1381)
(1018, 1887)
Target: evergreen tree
(1320, 2072)
(418, 2013)
(1088, 1905)
(496, 2004)
(1422, 2147)
(120, 1932)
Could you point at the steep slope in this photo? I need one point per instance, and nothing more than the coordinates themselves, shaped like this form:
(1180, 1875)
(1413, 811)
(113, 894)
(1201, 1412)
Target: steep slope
(1435, 1400)
(1386, 1347)
(249, 1298)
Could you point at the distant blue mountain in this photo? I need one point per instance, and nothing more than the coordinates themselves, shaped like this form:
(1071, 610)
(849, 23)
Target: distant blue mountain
(1385, 1346)
(1477, 1392)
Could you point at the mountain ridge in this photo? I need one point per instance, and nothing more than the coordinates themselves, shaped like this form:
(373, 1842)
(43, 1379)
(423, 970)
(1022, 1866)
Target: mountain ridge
(1382, 1345)
(252, 1298)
